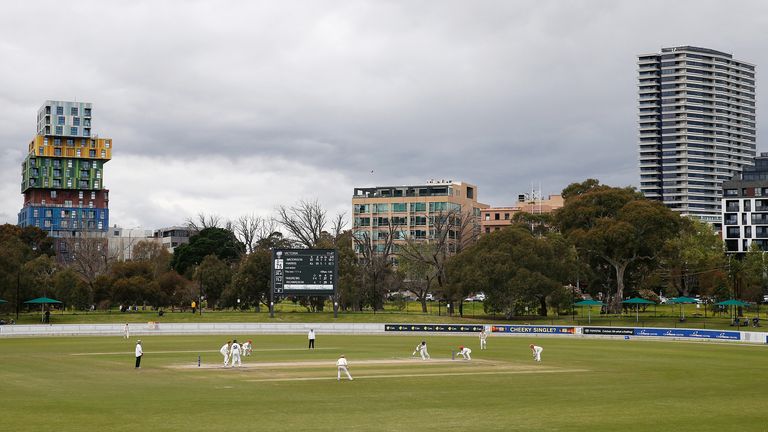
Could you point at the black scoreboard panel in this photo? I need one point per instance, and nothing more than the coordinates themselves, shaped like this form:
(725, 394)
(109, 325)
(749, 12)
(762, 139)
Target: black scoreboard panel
(310, 272)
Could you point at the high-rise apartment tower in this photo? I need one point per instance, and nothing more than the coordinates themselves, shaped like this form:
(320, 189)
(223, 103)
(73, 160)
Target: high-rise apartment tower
(63, 175)
(697, 127)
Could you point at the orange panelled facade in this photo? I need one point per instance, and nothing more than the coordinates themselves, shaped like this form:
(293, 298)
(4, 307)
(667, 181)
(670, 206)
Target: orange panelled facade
(89, 148)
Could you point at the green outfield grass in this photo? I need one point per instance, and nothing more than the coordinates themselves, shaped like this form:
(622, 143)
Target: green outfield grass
(63, 384)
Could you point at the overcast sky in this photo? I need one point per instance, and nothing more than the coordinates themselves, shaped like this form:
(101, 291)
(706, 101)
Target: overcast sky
(235, 107)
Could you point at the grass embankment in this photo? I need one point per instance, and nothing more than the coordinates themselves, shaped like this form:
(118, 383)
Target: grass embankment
(662, 316)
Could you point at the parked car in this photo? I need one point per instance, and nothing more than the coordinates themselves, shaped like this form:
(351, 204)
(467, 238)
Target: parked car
(430, 297)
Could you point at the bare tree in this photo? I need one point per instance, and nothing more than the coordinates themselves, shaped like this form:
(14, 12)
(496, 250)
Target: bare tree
(305, 221)
(87, 253)
(452, 231)
(204, 221)
(338, 224)
(375, 260)
(247, 228)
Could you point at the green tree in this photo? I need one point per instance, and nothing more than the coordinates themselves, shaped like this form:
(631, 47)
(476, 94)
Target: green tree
(215, 276)
(252, 281)
(216, 241)
(618, 226)
(694, 260)
(515, 269)
(69, 287)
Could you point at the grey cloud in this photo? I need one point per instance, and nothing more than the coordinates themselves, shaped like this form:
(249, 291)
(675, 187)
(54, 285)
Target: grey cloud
(497, 93)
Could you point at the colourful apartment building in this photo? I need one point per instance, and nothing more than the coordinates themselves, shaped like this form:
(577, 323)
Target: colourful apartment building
(63, 174)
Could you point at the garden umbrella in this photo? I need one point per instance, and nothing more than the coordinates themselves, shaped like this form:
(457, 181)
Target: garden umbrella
(732, 302)
(588, 303)
(637, 301)
(42, 301)
(2, 301)
(681, 301)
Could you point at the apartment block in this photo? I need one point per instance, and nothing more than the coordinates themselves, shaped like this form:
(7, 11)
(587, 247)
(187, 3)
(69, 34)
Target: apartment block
(411, 212)
(63, 174)
(745, 208)
(696, 112)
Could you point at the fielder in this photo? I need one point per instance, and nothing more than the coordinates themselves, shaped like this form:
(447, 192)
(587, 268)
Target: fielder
(126, 333)
(225, 352)
(465, 352)
(342, 365)
(483, 339)
(536, 352)
(248, 348)
(235, 353)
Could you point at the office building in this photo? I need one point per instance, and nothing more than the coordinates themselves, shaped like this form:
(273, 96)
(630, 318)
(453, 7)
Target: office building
(63, 175)
(121, 241)
(411, 211)
(697, 126)
(745, 208)
(494, 218)
(172, 237)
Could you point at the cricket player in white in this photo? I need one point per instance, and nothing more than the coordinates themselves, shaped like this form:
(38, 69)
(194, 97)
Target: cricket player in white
(342, 365)
(248, 348)
(225, 352)
(465, 352)
(536, 352)
(126, 333)
(483, 339)
(422, 349)
(235, 353)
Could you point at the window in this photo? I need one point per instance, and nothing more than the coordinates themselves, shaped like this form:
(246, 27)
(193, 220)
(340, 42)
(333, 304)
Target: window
(59, 110)
(76, 121)
(87, 112)
(59, 130)
(381, 208)
(399, 207)
(80, 194)
(487, 230)
(487, 216)
(93, 195)
(73, 111)
(506, 216)
(60, 121)
(438, 206)
(496, 216)
(73, 131)
(418, 207)
(53, 194)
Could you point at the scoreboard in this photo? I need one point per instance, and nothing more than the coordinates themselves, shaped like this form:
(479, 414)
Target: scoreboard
(307, 272)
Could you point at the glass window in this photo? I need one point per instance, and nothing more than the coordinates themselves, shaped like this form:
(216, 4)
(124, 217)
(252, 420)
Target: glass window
(418, 207)
(60, 121)
(59, 130)
(399, 207)
(438, 206)
(73, 131)
(73, 111)
(381, 208)
(59, 110)
(76, 121)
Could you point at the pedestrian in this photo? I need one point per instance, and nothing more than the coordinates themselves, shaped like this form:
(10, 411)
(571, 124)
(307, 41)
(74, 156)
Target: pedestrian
(126, 333)
(465, 352)
(484, 339)
(139, 354)
(47, 319)
(235, 353)
(311, 337)
(248, 347)
(225, 352)
(342, 365)
(536, 351)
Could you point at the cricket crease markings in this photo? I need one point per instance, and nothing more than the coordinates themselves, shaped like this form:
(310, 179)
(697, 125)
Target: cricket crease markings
(192, 351)
(424, 375)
